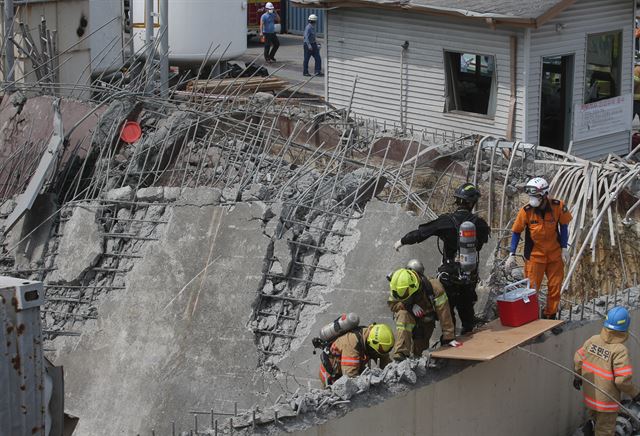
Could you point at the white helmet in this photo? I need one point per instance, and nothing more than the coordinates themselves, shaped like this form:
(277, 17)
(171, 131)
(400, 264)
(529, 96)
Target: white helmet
(537, 187)
(313, 17)
(269, 5)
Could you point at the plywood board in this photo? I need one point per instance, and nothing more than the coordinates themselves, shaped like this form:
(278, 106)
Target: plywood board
(493, 339)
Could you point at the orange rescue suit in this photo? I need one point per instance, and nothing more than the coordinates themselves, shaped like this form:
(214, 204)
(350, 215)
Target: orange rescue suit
(542, 250)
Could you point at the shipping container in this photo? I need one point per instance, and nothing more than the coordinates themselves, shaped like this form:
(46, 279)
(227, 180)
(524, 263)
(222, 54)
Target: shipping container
(296, 19)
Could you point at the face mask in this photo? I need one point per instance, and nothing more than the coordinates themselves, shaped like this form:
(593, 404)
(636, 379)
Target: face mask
(535, 201)
(270, 11)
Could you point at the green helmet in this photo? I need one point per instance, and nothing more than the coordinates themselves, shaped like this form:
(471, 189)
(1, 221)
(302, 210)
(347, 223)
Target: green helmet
(381, 338)
(404, 283)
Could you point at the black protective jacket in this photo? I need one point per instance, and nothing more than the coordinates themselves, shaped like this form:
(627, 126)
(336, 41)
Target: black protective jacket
(446, 227)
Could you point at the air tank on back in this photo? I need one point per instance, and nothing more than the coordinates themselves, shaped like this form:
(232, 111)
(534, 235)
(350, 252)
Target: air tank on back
(196, 27)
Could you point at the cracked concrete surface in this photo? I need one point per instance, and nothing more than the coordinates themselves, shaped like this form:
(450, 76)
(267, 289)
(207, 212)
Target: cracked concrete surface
(180, 326)
(80, 247)
(183, 318)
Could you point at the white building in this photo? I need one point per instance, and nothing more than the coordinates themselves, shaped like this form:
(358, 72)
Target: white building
(522, 70)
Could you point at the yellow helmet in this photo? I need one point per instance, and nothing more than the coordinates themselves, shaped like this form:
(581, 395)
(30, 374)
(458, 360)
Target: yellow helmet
(404, 283)
(380, 338)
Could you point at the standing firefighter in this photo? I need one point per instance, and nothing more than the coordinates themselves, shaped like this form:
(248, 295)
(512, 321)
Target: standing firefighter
(545, 222)
(351, 351)
(416, 303)
(459, 271)
(604, 361)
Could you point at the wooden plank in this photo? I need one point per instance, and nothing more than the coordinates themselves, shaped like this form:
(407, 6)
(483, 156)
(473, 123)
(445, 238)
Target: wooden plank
(494, 339)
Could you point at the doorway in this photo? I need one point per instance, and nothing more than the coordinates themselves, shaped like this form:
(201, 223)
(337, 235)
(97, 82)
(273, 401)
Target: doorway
(556, 97)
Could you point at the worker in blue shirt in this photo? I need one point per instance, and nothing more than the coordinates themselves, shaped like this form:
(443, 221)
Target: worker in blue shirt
(268, 31)
(311, 48)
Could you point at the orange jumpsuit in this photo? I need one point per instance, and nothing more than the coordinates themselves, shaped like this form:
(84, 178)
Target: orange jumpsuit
(542, 251)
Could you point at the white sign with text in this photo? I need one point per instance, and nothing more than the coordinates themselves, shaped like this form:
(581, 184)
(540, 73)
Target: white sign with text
(602, 117)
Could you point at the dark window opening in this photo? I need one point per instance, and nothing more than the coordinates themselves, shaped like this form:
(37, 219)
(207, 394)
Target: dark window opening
(470, 80)
(604, 63)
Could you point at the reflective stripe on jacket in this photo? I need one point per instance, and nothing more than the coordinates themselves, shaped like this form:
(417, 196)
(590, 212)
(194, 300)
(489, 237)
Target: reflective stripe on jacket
(604, 361)
(436, 307)
(348, 356)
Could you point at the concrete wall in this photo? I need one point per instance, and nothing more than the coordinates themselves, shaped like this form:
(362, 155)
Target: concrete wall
(177, 339)
(514, 394)
(360, 285)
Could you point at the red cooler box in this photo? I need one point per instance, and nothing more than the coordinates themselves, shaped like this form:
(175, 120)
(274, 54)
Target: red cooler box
(518, 304)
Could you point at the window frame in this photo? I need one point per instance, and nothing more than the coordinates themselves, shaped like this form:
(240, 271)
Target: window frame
(493, 92)
(618, 79)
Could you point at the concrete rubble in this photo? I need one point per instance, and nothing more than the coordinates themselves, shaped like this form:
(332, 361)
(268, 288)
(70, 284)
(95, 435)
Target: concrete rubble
(80, 248)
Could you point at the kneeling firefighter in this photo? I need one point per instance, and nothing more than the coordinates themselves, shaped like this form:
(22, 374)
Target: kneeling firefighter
(604, 361)
(416, 303)
(348, 348)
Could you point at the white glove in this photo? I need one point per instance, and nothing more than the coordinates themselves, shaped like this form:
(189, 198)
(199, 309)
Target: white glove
(565, 255)
(417, 311)
(455, 344)
(510, 263)
(397, 245)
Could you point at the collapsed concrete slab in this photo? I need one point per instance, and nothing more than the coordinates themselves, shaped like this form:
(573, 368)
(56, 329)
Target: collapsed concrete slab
(178, 330)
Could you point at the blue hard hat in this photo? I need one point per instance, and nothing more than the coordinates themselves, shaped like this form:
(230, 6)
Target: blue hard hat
(618, 319)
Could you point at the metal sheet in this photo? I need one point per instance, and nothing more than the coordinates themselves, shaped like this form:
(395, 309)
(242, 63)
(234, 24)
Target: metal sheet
(21, 367)
(368, 43)
(44, 172)
(296, 19)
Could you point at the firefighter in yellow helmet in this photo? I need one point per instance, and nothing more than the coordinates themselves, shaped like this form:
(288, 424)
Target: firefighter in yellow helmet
(350, 353)
(417, 302)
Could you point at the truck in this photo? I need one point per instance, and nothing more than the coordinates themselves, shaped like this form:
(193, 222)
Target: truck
(255, 9)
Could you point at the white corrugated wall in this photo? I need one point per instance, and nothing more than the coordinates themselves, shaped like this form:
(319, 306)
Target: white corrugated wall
(367, 43)
(582, 18)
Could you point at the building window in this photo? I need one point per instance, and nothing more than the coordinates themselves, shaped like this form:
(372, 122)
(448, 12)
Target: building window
(604, 62)
(471, 83)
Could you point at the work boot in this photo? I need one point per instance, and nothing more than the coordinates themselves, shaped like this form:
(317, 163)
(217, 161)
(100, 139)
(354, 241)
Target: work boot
(466, 330)
(557, 329)
(306, 74)
(588, 428)
(319, 74)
